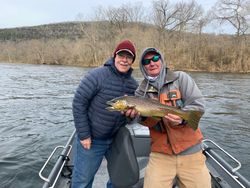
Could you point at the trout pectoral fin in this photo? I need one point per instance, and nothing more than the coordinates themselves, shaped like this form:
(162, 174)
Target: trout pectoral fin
(110, 102)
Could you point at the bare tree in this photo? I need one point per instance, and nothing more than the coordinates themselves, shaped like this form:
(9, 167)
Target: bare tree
(107, 26)
(124, 13)
(187, 14)
(200, 23)
(234, 12)
(164, 15)
(117, 17)
(90, 34)
(135, 12)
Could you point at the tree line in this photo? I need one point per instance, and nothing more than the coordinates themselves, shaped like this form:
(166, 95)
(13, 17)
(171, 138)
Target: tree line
(177, 29)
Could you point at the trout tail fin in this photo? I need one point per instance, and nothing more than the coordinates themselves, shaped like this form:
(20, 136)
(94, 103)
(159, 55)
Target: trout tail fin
(193, 118)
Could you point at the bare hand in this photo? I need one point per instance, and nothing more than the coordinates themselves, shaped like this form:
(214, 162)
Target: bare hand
(132, 113)
(86, 143)
(172, 119)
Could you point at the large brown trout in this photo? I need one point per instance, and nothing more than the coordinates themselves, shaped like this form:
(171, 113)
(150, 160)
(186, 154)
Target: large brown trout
(153, 108)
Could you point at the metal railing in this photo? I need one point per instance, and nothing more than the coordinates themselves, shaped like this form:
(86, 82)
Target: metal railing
(51, 180)
(220, 148)
(238, 179)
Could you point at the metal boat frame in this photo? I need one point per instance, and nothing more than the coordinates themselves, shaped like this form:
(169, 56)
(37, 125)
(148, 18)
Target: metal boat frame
(222, 173)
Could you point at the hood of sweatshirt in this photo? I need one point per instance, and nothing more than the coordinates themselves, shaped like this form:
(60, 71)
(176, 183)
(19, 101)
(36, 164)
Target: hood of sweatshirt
(159, 80)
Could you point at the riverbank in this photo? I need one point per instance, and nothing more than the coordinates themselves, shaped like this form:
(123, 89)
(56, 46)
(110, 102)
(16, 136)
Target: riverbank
(85, 44)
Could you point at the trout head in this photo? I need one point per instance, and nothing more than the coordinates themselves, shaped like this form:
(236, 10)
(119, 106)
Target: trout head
(118, 104)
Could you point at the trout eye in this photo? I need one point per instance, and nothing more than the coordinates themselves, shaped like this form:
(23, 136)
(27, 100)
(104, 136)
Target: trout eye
(120, 105)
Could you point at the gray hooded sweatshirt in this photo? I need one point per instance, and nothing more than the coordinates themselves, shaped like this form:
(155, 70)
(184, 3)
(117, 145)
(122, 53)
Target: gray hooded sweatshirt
(167, 80)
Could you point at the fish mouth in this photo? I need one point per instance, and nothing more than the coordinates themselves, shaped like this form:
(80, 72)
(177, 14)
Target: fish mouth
(110, 105)
(111, 102)
(110, 108)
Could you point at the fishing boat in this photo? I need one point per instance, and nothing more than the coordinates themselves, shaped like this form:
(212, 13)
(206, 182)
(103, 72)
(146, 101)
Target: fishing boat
(219, 162)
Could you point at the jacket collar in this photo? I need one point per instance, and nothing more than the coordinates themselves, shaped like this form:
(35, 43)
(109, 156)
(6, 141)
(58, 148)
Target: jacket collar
(169, 78)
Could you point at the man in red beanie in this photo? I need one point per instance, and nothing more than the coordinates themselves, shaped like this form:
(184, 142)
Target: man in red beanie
(96, 126)
(124, 50)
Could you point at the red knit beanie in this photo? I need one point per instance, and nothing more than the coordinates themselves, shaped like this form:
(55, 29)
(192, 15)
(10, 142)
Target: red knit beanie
(125, 45)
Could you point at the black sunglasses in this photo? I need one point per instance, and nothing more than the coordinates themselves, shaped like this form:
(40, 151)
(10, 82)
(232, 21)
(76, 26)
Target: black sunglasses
(155, 58)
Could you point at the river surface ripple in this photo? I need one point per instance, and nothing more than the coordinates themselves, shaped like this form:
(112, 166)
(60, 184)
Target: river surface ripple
(36, 116)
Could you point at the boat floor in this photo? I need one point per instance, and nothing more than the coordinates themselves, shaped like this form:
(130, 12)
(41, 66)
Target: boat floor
(100, 180)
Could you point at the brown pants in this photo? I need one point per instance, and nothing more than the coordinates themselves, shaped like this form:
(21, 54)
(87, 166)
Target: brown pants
(191, 171)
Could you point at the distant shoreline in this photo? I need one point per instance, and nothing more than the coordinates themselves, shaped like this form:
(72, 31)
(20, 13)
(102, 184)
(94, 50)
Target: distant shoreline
(89, 44)
(135, 68)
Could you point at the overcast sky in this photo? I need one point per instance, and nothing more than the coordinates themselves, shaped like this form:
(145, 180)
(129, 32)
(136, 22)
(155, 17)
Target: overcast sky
(17, 13)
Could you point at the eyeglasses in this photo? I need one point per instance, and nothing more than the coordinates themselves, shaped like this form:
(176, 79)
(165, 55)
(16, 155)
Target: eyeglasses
(155, 58)
(125, 55)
